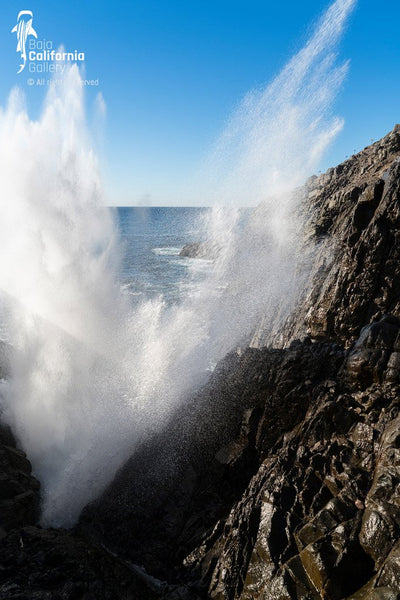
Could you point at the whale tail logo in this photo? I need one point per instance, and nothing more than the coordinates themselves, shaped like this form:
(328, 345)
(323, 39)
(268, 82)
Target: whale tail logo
(23, 28)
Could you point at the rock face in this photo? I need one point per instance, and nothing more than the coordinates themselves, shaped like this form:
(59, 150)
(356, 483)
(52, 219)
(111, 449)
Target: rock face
(352, 212)
(287, 486)
(280, 479)
(301, 503)
(320, 517)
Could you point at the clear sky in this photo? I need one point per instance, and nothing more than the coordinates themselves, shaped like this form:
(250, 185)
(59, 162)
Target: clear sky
(172, 71)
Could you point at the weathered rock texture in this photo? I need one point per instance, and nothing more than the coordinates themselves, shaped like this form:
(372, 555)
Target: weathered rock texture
(320, 518)
(280, 479)
(352, 212)
(287, 486)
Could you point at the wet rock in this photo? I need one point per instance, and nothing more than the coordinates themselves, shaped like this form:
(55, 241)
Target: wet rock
(355, 219)
(280, 478)
(52, 564)
(383, 593)
(389, 576)
(288, 488)
(288, 485)
(369, 359)
(233, 416)
(381, 520)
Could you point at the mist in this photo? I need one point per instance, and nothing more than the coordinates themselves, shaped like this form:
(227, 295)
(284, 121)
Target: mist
(92, 374)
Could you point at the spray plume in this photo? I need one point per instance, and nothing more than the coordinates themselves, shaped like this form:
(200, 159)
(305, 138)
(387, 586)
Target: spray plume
(92, 375)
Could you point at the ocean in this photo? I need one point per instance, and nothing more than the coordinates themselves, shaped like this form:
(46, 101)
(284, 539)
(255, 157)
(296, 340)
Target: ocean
(151, 239)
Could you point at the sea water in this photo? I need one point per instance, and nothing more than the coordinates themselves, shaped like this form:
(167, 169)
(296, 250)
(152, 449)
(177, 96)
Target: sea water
(151, 239)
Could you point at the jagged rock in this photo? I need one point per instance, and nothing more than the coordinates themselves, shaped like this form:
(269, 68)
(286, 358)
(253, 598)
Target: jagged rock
(390, 573)
(212, 462)
(287, 487)
(369, 358)
(280, 479)
(381, 519)
(354, 216)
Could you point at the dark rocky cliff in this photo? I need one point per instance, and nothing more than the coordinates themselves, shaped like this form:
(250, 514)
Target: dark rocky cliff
(287, 485)
(351, 211)
(280, 479)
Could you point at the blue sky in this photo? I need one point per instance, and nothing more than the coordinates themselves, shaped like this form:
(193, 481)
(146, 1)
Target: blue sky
(172, 72)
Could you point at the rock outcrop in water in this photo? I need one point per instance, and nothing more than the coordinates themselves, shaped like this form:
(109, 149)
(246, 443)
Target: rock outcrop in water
(280, 479)
(206, 250)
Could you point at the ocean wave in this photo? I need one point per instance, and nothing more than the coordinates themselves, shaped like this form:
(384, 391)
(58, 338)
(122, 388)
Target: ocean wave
(167, 251)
